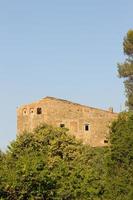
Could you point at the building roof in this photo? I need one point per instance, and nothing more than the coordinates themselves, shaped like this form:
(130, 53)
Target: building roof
(77, 104)
(65, 101)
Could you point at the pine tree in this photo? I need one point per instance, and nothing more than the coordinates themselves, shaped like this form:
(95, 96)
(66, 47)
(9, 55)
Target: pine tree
(125, 69)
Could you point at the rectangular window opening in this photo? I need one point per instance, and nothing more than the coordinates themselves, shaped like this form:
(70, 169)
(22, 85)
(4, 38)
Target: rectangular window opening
(62, 125)
(87, 127)
(39, 111)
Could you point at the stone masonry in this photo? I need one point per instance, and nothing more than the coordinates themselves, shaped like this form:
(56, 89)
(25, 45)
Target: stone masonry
(91, 125)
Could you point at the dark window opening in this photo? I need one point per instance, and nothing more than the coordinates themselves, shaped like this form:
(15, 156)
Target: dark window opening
(106, 141)
(87, 127)
(31, 110)
(62, 125)
(39, 111)
(25, 111)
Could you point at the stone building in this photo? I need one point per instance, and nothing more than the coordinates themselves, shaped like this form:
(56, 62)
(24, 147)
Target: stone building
(91, 125)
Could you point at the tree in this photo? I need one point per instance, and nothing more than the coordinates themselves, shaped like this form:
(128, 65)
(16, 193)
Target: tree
(50, 164)
(120, 159)
(125, 69)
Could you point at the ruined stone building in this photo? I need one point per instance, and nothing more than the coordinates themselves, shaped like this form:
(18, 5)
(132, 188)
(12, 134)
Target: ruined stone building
(91, 125)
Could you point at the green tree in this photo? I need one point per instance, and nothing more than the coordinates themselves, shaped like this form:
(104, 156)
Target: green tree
(125, 69)
(50, 164)
(120, 159)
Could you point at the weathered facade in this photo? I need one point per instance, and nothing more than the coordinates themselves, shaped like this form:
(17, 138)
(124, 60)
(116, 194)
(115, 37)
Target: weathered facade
(91, 125)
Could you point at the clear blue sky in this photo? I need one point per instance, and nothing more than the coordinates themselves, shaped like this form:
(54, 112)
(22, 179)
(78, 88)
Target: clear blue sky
(62, 48)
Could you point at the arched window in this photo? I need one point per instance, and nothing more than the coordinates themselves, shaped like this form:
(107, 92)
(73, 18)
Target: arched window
(24, 111)
(39, 111)
(31, 111)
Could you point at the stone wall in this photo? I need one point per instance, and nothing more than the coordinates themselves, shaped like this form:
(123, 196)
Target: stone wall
(86, 123)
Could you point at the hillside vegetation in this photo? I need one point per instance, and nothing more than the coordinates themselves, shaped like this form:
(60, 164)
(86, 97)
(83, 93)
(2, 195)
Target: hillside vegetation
(50, 164)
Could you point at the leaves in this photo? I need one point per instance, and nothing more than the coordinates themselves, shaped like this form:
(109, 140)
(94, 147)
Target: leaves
(125, 70)
(51, 164)
(120, 159)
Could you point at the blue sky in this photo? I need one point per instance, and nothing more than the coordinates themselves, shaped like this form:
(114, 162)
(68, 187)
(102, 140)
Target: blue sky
(62, 48)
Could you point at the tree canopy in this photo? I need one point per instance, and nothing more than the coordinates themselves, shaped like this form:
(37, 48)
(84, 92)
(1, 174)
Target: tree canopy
(119, 179)
(125, 69)
(51, 164)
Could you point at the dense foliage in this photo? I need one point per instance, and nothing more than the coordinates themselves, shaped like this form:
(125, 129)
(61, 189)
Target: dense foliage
(51, 164)
(119, 179)
(125, 69)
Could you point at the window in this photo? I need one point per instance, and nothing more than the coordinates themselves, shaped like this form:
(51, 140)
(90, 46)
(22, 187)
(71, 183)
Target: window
(39, 111)
(87, 127)
(31, 111)
(106, 141)
(24, 111)
(62, 125)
